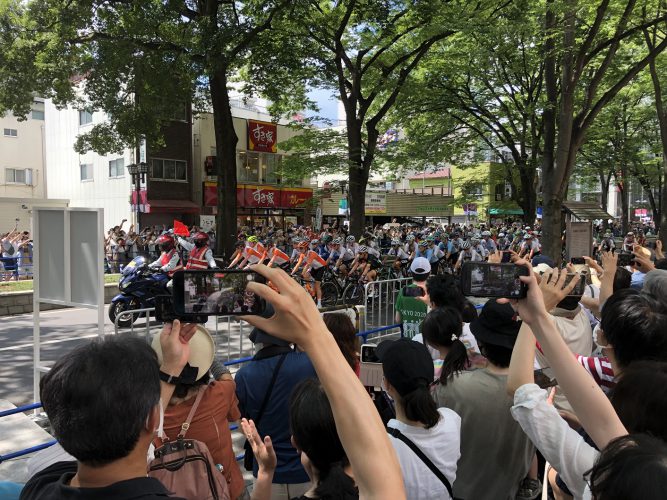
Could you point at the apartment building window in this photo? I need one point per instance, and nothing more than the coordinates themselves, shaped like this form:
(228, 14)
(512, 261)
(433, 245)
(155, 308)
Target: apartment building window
(37, 114)
(86, 170)
(169, 170)
(475, 191)
(117, 168)
(85, 117)
(18, 176)
(10, 132)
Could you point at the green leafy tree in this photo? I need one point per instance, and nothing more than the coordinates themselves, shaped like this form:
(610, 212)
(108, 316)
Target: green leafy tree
(481, 94)
(591, 52)
(138, 61)
(653, 37)
(365, 51)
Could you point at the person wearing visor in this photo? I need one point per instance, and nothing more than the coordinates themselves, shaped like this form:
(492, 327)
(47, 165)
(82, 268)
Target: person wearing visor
(169, 261)
(201, 256)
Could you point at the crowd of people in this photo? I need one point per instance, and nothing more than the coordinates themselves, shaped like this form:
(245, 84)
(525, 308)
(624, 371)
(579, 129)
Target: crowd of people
(563, 385)
(15, 255)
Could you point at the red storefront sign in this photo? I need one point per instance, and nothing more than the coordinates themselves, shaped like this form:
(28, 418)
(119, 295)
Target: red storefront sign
(258, 196)
(262, 137)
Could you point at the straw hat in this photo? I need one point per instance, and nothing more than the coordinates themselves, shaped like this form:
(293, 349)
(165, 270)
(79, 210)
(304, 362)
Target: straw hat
(202, 353)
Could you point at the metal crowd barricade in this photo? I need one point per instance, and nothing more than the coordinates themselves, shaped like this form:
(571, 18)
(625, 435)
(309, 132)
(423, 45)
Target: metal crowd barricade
(128, 314)
(380, 298)
(229, 363)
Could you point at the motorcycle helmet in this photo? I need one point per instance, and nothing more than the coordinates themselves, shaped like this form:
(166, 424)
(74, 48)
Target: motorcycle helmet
(200, 239)
(166, 243)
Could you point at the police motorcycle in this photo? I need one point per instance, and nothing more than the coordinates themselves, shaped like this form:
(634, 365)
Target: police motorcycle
(138, 285)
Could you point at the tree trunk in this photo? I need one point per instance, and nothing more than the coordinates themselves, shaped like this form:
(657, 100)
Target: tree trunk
(528, 199)
(625, 202)
(225, 143)
(358, 178)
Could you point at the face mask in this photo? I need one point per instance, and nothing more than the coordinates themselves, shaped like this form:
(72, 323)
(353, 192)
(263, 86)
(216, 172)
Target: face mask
(160, 428)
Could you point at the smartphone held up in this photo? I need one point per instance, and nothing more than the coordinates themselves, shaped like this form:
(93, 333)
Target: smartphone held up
(485, 279)
(217, 293)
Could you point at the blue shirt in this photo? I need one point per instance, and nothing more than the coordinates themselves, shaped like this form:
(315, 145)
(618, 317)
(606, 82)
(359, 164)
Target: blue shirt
(252, 383)
(637, 280)
(428, 254)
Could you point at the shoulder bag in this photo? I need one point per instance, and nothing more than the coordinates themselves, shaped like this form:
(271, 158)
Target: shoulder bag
(427, 461)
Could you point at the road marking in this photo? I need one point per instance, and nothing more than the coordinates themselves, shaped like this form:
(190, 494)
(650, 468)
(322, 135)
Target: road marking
(24, 346)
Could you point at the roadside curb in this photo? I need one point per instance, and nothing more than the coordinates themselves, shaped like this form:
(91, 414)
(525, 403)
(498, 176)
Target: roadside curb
(12, 303)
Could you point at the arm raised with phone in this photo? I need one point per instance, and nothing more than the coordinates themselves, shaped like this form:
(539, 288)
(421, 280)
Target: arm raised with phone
(358, 424)
(590, 404)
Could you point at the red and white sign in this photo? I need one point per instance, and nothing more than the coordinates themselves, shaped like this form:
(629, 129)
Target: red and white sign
(262, 137)
(260, 196)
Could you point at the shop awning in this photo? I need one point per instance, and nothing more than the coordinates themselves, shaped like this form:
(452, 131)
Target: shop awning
(172, 206)
(505, 211)
(585, 210)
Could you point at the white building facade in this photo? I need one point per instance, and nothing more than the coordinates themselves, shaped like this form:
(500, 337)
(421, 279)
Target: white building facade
(86, 180)
(22, 168)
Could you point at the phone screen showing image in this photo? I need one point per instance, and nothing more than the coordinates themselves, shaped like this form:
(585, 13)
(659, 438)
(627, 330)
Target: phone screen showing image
(482, 279)
(217, 293)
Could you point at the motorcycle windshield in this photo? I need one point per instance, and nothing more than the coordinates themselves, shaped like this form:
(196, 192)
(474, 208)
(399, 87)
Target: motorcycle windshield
(136, 263)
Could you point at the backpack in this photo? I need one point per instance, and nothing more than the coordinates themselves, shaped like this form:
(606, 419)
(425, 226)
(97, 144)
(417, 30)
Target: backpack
(186, 467)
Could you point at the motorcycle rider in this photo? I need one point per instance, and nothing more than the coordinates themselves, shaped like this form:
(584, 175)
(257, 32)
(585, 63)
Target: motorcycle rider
(169, 261)
(201, 256)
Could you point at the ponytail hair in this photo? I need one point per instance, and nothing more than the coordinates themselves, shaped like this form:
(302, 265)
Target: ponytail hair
(420, 406)
(443, 327)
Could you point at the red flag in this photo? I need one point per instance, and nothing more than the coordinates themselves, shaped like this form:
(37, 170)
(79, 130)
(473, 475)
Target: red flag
(180, 229)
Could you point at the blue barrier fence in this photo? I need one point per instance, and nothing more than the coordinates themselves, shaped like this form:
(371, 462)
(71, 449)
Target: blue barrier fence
(33, 406)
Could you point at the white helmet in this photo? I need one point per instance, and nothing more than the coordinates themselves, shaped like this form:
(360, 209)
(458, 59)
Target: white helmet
(395, 242)
(501, 235)
(465, 245)
(486, 233)
(336, 241)
(363, 249)
(410, 237)
(350, 239)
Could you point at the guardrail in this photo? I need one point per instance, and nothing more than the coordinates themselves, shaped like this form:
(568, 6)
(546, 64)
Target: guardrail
(21, 409)
(17, 271)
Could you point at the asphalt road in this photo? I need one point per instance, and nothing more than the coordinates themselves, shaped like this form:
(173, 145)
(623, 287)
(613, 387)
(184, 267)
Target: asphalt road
(64, 329)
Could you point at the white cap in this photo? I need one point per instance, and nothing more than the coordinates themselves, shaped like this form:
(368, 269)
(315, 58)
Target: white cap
(420, 265)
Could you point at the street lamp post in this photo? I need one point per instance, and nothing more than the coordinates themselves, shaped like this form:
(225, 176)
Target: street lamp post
(138, 173)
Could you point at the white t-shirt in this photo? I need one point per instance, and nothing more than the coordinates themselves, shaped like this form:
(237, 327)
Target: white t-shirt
(441, 444)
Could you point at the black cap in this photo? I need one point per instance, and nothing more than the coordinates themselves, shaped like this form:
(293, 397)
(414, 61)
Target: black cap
(496, 325)
(258, 336)
(406, 364)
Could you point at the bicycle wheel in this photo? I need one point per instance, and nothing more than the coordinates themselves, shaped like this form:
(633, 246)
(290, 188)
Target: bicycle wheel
(353, 295)
(329, 294)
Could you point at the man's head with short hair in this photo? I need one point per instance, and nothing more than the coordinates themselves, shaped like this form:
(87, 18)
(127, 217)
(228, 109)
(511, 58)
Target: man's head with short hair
(99, 397)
